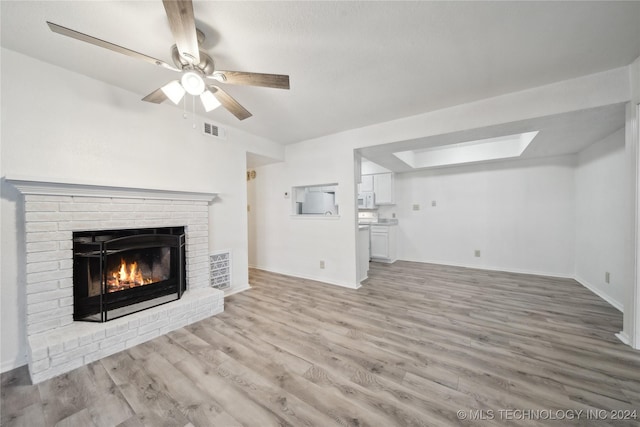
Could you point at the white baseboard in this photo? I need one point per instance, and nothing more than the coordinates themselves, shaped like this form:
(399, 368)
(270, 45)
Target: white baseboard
(300, 276)
(490, 268)
(618, 305)
(233, 291)
(622, 336)
(9, 365)
(383, 260)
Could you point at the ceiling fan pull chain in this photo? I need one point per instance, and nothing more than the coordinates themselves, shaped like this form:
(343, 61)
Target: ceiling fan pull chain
(184, 108)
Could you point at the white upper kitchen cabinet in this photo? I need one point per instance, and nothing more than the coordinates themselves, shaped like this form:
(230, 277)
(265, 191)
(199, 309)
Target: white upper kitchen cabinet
(383, 187)
(366, 184)
(381, 184)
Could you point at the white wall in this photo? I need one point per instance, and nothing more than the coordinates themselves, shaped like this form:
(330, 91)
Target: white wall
(64, 126)
(368, 167)
(603, 214)
(564, 216)
(251, 219)
(296, 245)
(631, 330)
(519, 214)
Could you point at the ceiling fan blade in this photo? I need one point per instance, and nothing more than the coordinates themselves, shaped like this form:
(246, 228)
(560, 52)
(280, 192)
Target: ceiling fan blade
(157, 96)
(105, 44)
(183, 28)
(229, 103)
(277, 81)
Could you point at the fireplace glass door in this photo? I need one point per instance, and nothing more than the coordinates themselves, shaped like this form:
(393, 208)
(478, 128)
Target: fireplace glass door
(119, 272)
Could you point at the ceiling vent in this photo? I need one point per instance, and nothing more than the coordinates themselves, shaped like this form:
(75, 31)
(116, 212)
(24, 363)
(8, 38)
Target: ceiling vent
(213, 130)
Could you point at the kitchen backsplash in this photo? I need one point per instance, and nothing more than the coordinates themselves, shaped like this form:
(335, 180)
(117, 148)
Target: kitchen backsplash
(387, 211)
(367, 216)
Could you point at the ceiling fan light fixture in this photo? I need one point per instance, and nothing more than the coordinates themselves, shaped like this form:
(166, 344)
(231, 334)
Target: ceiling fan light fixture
(195, 66)
(192, 82)
(174, 91)
(209, 101)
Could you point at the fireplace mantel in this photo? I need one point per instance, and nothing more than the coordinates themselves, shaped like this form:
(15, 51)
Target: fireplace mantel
(50, 187)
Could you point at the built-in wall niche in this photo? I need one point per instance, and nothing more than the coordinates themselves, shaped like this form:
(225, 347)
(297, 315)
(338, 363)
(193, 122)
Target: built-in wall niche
(315, 200)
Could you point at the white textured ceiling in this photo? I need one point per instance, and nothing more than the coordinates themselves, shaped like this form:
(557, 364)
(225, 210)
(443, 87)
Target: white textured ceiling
(351, 63)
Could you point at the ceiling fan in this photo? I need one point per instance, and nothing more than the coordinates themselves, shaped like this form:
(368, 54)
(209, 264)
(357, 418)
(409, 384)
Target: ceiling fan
(195, 65)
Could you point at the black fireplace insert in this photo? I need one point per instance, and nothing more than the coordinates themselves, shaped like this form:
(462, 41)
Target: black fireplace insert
(120, 272)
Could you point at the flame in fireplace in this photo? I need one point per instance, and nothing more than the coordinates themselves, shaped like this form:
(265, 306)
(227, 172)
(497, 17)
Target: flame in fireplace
(128, 276)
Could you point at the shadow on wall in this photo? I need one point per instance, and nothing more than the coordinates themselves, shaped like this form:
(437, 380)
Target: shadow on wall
(13, 278)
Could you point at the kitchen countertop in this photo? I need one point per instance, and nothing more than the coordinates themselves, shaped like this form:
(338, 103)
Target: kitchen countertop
(381, 221)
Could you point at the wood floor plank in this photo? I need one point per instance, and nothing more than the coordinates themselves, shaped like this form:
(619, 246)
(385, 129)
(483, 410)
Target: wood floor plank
(28, 416)
(17, 395)
(145, 396)
(287, 405)
(63, 397)
(413, 346)
(516, 367)
(364, 378)
(79, 419)
(286, 370)
(191, 399)
(218, 385)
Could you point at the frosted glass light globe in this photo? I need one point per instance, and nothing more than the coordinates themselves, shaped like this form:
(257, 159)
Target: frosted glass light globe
(192, 83)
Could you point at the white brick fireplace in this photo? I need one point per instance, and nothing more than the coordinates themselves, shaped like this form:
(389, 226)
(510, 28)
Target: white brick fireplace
(52, 212)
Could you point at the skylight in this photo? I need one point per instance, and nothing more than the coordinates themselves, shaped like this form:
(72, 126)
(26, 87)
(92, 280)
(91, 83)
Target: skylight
(502, 147)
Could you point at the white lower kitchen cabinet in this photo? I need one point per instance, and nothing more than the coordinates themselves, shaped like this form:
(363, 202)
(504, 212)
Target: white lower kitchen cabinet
(384, 245)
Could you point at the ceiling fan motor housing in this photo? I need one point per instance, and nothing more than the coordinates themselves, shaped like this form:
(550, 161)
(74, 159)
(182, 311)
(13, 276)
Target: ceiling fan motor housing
(206, 64)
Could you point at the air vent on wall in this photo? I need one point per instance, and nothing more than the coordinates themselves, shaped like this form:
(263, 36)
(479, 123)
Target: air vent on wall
(220, 269)
(213, 130)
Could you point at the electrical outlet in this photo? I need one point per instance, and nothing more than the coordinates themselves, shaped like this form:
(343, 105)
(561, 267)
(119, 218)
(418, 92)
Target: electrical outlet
(607, 277)
(416, 207)
(433, 203)
(477, 253)
(322, 265)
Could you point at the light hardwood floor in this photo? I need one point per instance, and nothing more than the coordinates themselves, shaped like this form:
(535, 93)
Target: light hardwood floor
(415, 345)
